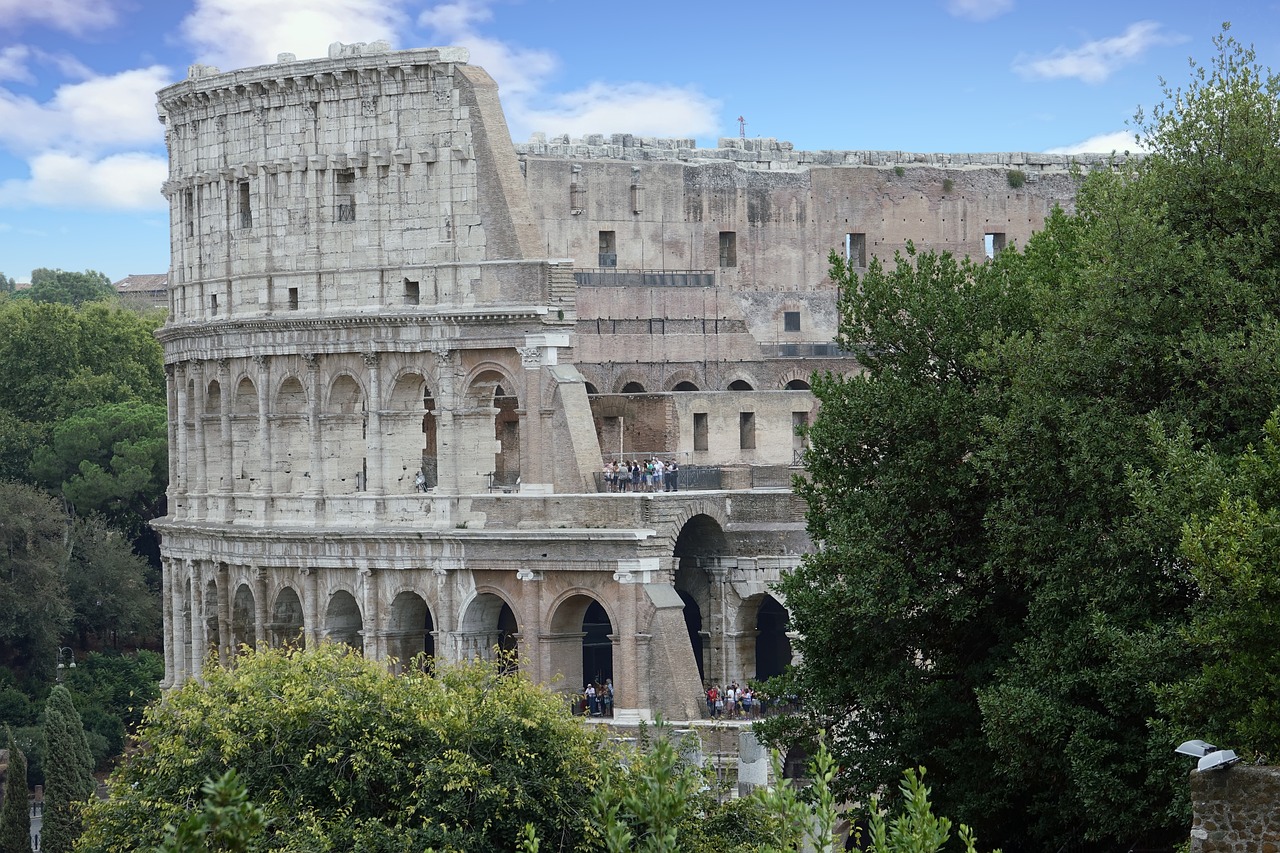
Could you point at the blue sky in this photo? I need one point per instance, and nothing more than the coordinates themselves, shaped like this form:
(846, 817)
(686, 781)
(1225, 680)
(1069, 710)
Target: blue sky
(82, 154)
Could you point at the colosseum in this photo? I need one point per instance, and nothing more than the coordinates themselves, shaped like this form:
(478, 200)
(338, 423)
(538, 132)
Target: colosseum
(401, 351)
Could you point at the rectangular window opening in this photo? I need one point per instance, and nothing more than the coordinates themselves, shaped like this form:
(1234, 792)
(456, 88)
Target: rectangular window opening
(791, 321)
(293, 299)
(189, 211)
(728, 249)
(993, 243)
(344, 195)
(246, 212)
(608, 249)
(855, 250)
(747, 430)
(213, 303)
(799, 420)
(700, 437)
(411, 292)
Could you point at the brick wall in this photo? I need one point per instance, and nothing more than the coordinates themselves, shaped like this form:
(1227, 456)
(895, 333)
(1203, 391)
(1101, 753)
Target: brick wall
(1236, 810)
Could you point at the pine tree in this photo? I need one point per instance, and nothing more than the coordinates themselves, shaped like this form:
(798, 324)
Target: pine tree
(68, 772)
(15, 815)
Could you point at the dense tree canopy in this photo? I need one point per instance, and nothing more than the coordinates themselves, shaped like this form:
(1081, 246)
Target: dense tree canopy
(997, 582)
(69, 288)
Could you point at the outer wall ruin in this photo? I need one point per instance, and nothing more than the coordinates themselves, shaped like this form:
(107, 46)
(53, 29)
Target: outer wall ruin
(400, 350)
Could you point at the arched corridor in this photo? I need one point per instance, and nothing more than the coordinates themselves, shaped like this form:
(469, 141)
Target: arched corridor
(343, 622)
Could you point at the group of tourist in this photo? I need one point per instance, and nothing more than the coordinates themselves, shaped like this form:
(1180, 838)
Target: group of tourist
(733, 701)
(652, 475)
(597, 698)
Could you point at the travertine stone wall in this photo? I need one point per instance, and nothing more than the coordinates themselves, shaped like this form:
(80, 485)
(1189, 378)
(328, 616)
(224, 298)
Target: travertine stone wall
(1236, 810)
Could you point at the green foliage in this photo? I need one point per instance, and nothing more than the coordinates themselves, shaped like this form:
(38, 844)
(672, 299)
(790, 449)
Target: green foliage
(7, 285)
(112, 460)
(342, 755)
(1016, 178)
(15, 818)
(899, 171)
(68, 773)
(1001, 578)
(107, 586)
(228, 822)
(34, 611)
(69, 288)
(916, 829)
(111, 691)
(948, 185)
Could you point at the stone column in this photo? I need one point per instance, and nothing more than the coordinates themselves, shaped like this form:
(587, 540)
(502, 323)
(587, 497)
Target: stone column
(166, 605)
(179, 577)
(224, 422)
(316, 489)
(373, 430)
(533, 474)
(200, 451)
(447, 403)
(374, 646)
(199, 625)
(171, 401)
(261, 632)
(537, 651)
(180, 462)
(266, 479)
(225, 650)
(312, 631)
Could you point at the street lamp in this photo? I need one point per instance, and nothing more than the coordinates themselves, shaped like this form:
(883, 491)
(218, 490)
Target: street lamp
(70, 658)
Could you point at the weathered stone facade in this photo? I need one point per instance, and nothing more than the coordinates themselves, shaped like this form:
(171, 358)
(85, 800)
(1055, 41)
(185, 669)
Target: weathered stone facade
(369, 281)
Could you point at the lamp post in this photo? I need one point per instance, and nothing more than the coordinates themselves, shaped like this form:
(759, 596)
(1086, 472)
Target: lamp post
(65, 651)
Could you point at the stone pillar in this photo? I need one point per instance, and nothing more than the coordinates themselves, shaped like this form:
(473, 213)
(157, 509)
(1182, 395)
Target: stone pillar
(166, 606)
(447, 403)
(179, 461)
(198, 439)
(225, 649)
(171, 402)
(261, 632)
(374, 634)
(533, 475)
(224, 422)
(316, 488)
(312, 631)
(180, 627)
(199, 625)
(266, 479)
(373, 431)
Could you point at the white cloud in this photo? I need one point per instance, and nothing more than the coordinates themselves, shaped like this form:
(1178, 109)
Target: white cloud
(1095, 61)
(1117, 141)
(523, 76)
(979, 10)
(94, 115)
(13, 63)
(129, 181)
(72, 16)
(238, 33)
(637, 108)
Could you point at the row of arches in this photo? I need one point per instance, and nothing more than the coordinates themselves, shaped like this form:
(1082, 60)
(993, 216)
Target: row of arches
(632, 386)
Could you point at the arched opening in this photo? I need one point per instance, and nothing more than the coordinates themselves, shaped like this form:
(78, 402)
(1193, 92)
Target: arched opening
(411, 640)
(208, 621)
(289, 437)
(409, 441)
(343, 622)
(243, 630)
(685, 386)
(740, 385)
(344, 425)
(698, 551)
(797, 385)
(581, 645)
(493, 405)
(506, 466)
(633, 388)
(246, 447)
(487, 628)
(286, 624)
(591, 389)
(772, 645)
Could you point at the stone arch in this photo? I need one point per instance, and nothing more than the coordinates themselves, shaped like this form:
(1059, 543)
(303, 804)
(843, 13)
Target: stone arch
(344, 423)
(286, 626)
(580, 641)
(685, 385)
(700, 551)
(409, 427)
(741, 385)
(764, 649)
(796, 385)
(411, 635)
(343, 622)
(243, 628)
(682, 379)
(291, 397)
(246, 447)
(493, 394)
(631, 386)
(245, 401)
(207, 621)
(488, 623)
(213, 398)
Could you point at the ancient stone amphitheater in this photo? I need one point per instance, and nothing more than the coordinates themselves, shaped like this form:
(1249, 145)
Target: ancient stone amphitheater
(400, 350)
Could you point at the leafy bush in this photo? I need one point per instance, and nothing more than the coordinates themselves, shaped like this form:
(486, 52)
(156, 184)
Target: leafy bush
(1016, 178)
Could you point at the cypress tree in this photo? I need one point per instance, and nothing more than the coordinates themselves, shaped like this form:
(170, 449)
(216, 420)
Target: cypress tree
(68, 772)
(15, 815)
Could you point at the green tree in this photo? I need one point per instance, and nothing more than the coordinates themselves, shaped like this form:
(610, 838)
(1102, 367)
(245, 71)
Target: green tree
(34, 612)
(341, 754)
(996, 592)
(228, 822)
(70, 288)
(15, 815)
(112, 460)
(7, 285)
(68, 773)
